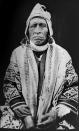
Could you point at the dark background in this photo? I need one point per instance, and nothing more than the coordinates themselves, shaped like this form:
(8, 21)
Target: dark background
(13, 16)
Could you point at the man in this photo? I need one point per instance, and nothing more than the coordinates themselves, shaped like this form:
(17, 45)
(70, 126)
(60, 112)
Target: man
(40, 85)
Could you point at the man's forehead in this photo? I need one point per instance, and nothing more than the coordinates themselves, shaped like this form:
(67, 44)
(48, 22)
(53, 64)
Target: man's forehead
(37, 20)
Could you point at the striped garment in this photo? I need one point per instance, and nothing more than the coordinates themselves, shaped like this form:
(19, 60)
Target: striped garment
(59, 84)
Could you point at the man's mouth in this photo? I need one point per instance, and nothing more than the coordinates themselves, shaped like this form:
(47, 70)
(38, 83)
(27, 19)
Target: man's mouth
(38, 37)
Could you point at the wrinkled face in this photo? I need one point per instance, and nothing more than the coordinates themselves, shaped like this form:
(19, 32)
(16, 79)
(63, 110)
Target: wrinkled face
(38, 31)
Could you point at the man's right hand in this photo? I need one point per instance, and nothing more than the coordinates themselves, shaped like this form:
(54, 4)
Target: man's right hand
(28, 122)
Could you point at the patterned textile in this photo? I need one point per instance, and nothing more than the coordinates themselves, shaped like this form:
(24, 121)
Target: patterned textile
(8, 120)
(69, 94)
(59, 84)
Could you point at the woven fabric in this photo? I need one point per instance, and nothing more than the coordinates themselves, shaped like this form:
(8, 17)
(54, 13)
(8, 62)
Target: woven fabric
(59, 84)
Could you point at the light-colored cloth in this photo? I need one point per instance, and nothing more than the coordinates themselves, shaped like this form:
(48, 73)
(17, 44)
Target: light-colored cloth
(40, 11)
(59, 84)
(38, 48)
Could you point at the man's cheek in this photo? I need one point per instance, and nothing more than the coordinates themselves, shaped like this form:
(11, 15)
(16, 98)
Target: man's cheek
(45, 35)
(31, 34)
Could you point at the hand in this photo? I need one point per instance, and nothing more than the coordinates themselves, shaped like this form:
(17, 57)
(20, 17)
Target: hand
(48, 118)
(28, 122)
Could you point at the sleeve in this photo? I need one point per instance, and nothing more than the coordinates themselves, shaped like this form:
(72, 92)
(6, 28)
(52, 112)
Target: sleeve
(69, 96)
(68, 100)
(13, 90)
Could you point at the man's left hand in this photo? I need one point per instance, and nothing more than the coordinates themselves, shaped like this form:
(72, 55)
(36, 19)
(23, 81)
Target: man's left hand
(48, 118)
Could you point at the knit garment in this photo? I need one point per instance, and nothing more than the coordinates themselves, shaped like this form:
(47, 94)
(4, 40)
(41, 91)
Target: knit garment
(40, 11)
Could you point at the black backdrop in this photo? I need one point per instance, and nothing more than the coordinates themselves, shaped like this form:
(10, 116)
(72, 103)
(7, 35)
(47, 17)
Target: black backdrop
(13, 16)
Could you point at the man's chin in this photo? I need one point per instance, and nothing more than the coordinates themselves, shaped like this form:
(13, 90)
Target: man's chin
(39, 43)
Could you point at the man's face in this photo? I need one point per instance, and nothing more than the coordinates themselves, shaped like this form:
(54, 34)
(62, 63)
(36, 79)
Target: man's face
(38, 31)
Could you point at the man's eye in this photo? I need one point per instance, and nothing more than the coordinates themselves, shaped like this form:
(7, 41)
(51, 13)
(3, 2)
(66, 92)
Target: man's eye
(42, 25)
(33, 26)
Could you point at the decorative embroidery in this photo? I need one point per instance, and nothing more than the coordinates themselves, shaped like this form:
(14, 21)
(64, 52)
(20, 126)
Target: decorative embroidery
(18, 81)
(64, 125)
(70, 92)
(10, 73)
(8, 119)
(10, 93)
(70, 71)
(12, 87)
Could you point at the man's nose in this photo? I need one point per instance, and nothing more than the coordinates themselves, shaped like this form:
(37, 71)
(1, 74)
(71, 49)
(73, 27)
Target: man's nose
(37, 29)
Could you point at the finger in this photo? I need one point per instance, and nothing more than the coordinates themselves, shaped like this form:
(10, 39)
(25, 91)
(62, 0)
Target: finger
(45, 117)
(50, 120)
(53, 113)
(42, 125)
